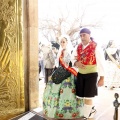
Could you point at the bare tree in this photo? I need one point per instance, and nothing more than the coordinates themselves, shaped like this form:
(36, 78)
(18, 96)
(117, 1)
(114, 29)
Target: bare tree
(54, 27)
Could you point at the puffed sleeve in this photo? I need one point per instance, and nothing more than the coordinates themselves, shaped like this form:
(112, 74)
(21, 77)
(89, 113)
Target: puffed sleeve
(100, 61)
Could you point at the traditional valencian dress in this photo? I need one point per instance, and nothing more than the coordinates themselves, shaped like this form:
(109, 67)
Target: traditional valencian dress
(112, 79)
(59, 100)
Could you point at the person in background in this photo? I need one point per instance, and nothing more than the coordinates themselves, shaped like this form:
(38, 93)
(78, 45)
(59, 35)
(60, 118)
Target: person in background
(48, 60)
(112, 79)
(39, 59)
(89, 59)
(59, 100)
(41, 65)
(55, 49)
(55, 52)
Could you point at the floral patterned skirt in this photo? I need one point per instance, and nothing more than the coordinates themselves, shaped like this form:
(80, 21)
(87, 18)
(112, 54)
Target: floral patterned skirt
(59, 100)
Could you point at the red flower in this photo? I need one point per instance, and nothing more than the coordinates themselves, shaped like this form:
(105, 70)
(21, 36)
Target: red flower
(61, 90)
(57, 114)
(73, 90)
(74, 115)
(61, 115)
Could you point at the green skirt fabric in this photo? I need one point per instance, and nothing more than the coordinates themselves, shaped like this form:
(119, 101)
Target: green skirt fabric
(59, 100)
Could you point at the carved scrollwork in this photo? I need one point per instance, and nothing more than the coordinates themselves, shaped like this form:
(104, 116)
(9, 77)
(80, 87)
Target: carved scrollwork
(11, 76)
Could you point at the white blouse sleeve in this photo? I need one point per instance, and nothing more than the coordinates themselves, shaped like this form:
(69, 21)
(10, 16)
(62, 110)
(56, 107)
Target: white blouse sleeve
(100, 61)
(74, 53)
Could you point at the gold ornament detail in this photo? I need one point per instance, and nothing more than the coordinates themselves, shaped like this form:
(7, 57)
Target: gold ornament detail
(11, 59)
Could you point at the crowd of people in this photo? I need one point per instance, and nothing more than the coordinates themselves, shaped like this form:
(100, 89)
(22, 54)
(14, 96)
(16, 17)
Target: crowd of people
(90, 67)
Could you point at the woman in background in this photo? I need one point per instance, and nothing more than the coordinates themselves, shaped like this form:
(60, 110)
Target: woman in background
(48, 60)
(112, 79)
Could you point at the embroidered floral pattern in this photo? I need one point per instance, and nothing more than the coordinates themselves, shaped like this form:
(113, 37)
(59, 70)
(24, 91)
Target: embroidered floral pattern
(63, 103)
(87, 55)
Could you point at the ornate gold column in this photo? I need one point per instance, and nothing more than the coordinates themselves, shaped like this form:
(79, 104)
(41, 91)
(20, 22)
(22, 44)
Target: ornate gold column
(11, 60)
(19, 84)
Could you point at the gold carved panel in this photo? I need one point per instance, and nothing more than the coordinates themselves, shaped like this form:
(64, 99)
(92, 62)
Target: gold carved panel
(11, 59)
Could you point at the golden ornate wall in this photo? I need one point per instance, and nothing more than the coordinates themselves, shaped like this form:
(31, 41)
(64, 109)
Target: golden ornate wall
(11, 59)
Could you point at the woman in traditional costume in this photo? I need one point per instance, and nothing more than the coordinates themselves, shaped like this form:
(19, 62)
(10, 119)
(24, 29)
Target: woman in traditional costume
(59, 100)
(112, 79)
